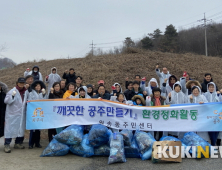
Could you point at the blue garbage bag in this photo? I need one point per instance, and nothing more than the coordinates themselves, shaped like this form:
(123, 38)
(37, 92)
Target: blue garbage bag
(72, 135)
(98, 135)
(145, 142)
(132, 151)
(84, 149)
(116, 149)
(127, 137)
(171, 138)
(103, 150)
(192, 139)
(55, 148)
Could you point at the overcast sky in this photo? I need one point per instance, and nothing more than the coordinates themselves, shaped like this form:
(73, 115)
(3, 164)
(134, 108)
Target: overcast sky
(50, 29)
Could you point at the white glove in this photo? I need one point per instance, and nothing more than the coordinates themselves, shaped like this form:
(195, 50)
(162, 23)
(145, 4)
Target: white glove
(13, 93)
(148, 98)
(43, 91)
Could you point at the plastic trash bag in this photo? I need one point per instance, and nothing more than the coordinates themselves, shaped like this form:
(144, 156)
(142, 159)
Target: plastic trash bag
(103, 150)
(72, 135)
(145, 142)
(171, 138)
(84, 149)
(98, 135)
(55, 148)
(127, 136)
(116, 149)
(133, 150)
(192, 139)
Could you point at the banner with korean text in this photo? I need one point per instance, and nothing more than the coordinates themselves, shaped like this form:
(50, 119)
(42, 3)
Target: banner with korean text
(46, 114)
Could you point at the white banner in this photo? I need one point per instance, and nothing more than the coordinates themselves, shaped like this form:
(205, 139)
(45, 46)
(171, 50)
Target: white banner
(46, 114)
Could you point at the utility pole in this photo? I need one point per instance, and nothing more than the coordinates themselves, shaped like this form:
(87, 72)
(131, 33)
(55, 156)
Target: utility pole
(92, 47)
(205, 27)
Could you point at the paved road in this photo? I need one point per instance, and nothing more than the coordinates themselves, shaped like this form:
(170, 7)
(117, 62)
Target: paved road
(29, 159)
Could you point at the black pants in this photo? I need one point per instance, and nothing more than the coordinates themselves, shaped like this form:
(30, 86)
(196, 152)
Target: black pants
(160, 135)
(34, 137)
(18, 140)
(51, 133)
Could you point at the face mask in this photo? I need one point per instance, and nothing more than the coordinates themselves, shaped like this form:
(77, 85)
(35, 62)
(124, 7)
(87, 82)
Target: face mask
(35, 71)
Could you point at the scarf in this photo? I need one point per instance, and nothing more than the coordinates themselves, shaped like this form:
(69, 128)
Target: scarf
(157, 101)
(21, 91)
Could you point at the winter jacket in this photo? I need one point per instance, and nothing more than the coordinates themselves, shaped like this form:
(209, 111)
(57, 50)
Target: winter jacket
(86, 95)
(133, 93)
(15, 115)
(204, 85)
(56, 95)
(69, 78)
(34, 95)
(127, 94)
(149, 89)
(37, 75)
(105, 96)
(68, 93)
(177, 97)
(115, 86)
(52, 79)
(3, 92)
(152, 101)
(166, 88)
(90, 94)
(162, 76)
(211, 97)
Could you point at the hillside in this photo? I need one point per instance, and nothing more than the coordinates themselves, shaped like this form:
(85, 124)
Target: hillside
(115, 68)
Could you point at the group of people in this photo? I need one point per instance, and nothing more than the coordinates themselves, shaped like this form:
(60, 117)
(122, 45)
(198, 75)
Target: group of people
(170, 90)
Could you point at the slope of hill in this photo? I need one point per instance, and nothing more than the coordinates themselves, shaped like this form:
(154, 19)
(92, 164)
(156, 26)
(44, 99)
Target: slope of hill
(6, 63)
(115, 68)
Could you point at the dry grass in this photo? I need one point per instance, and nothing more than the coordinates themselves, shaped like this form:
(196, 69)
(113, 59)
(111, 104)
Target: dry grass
(115, 68)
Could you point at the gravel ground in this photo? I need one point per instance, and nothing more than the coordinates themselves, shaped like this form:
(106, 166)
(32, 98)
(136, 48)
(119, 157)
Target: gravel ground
(29, 159)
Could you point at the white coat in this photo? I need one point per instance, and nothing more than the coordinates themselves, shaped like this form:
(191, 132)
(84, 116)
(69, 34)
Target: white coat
(148, 89)
(198, 99)
(15, 115)
(52, 79)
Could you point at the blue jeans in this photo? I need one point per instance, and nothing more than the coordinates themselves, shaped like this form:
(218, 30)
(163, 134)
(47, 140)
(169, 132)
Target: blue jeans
(18, 140)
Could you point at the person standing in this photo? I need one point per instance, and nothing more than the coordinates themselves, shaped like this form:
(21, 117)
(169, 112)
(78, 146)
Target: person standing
(38, 92)
(55, 93)
(15, 115)
(52, 78)
(35, 73)
(162, 75)
(3, 91)
(70, 76)
(207, 79)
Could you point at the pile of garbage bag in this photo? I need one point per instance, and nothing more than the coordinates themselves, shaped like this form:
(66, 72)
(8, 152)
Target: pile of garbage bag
(100, 141)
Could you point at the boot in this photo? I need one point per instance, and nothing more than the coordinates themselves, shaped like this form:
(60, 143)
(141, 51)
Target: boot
(19, 146)
(7, 149)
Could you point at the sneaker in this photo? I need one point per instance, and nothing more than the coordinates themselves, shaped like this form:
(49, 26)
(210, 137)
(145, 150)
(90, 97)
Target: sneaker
(30, 147)
(19, 146)
(7, 149)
